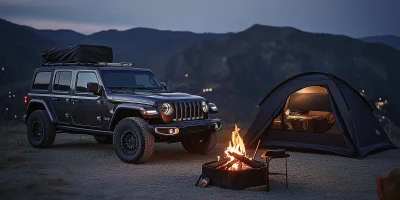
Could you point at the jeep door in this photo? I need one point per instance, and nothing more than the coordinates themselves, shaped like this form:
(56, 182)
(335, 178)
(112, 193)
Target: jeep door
(61, 94)
(87, 109)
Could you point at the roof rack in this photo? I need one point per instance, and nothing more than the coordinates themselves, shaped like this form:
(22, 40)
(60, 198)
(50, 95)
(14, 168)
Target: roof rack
(91, 64)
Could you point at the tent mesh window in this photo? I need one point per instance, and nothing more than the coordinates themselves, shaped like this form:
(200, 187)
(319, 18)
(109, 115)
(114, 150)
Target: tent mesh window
(307, 110)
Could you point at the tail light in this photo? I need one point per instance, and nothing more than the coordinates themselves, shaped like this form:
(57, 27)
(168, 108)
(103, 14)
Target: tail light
(26, 100)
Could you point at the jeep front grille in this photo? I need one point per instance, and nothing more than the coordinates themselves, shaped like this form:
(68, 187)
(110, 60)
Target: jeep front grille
(184, 111)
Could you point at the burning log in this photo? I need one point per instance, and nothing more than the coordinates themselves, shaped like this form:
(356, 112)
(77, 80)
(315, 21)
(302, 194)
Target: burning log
(219, 163)
(245, 160)
(227, 165)
(235, 171)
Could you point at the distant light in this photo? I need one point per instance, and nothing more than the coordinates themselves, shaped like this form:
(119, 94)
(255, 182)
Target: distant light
(9, 96)
(204, 90)
(386, 101)
(13, 95)
(383, 117)
(380, 99)
(362, 91)
(186, 75)
(2, 68)
(210, 89)
(9, 92)
(15, 116)
(6, 108)
(207, 90)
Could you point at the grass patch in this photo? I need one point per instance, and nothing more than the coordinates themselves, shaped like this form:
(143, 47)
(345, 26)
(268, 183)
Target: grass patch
(57, 182)
(4, 192)
(7, 128)
(12, 134)
(22, 140)
(13, 160)
(50, 187)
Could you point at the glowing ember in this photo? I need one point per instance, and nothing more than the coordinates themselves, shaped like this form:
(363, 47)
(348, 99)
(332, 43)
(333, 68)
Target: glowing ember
(235, 166)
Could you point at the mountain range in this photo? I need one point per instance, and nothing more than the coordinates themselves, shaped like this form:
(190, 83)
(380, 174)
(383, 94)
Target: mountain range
(244, 67)
(390, 40)
(240, 67)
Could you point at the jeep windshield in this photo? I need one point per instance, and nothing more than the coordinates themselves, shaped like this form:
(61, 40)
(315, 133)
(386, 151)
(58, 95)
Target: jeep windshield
(130, 79)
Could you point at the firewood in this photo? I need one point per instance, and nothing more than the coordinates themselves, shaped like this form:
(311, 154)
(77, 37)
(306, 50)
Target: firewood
(251, 163)
(204, 182)
(227, 165)
(218, 163)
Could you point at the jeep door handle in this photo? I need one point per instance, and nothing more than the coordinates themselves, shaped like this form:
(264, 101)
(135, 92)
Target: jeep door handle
(55, 99)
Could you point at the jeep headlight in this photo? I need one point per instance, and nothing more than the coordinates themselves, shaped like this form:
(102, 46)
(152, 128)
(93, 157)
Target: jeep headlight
(204, 106)
(166, 108)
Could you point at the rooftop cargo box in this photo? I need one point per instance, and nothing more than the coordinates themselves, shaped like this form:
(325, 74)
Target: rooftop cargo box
(80, 53)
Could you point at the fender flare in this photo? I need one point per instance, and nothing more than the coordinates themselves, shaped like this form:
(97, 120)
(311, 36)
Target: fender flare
(124, 106)
(52, 116)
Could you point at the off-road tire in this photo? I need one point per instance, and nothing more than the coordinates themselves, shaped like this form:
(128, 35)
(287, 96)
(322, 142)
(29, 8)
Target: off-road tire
(136, 128)
(201, 146)
(40, 131)
(103, 139)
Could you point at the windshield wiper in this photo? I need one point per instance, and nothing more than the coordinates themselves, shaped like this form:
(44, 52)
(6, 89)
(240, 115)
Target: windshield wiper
(158, 90)
(136, 89)
(121, 89)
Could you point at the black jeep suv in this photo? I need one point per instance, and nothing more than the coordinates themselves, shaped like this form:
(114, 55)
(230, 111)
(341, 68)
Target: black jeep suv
(116, 103)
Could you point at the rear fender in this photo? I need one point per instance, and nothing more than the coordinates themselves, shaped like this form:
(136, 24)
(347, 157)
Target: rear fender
(38, 104)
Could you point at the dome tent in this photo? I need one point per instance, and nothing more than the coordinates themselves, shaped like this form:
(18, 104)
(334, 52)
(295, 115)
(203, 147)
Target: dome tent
(317, 111)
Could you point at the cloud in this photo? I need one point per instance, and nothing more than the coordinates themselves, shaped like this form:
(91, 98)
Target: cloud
(85, 28)
(354, 18)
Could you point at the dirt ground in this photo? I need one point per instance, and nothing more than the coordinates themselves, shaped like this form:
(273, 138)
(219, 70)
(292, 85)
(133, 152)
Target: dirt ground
(76, 167)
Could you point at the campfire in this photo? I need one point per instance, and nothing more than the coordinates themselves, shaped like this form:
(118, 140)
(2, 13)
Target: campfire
(235, 170)
(235, 155)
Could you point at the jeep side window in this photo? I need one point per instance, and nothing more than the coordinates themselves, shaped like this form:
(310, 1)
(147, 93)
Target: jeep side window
(62, 81)
(83, 79)
(42, 81)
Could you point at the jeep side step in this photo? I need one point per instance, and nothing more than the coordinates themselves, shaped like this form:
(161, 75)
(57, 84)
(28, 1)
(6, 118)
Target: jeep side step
(76, 130)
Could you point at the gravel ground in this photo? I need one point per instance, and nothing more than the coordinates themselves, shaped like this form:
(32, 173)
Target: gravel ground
(76, 167)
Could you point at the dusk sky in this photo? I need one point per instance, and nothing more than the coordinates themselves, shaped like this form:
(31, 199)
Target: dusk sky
(355, 18)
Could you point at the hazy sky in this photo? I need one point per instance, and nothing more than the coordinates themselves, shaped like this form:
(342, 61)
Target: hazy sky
(354, 18)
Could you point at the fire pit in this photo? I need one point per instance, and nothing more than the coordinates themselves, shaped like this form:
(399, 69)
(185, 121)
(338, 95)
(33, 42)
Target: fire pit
(236, 171)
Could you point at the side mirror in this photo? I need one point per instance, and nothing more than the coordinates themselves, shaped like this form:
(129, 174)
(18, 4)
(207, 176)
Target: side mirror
(212, 108)
(164, 85)
(94, 88)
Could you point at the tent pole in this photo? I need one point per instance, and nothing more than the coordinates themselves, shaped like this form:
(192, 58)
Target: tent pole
(255, 153)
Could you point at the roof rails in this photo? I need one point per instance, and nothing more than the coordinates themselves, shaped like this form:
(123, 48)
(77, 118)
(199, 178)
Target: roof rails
(90, 64)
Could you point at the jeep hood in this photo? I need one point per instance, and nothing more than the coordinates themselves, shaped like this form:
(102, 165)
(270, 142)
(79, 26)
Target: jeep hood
(152, 98)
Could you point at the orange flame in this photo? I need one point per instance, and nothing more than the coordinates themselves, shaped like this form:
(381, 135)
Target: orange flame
(236, 145)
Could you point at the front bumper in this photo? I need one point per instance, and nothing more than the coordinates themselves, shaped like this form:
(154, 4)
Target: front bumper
(186, 128)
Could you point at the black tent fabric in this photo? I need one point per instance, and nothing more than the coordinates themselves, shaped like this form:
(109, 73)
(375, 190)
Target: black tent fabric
(79, 53)
(352, 131)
